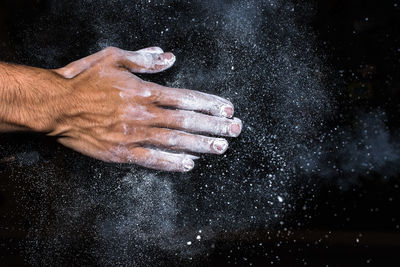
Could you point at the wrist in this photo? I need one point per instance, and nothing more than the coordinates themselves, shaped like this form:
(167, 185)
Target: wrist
(31, 98)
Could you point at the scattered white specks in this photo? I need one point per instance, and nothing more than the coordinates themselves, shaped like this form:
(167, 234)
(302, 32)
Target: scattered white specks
(235, 204)
(125, 129)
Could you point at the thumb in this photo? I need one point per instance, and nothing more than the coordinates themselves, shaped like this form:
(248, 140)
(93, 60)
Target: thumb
(74, 68)
(148, 60)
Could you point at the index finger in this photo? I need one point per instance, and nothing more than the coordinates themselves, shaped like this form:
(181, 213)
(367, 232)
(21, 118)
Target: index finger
(192, 100)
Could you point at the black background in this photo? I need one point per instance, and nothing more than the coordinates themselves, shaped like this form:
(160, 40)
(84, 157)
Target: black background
(367, 211)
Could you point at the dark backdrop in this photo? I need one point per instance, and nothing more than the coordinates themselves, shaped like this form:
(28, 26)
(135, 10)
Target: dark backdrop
(313, 180)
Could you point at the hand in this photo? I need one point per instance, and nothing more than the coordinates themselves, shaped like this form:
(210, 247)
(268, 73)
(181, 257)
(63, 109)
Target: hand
(114, 116)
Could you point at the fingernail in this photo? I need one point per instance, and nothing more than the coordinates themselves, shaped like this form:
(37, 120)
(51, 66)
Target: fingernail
(226, 111)
(236, 127)
(220, 145)
(168, 56)
(167, 59)
(188, 164)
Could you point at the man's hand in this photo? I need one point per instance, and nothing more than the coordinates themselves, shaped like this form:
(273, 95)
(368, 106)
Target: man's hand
(98, 107)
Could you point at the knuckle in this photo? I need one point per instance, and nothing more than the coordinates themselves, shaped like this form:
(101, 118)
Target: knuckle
(174, 140)
(156, 96)
(112, 51)
(149, 85)
(151, 135)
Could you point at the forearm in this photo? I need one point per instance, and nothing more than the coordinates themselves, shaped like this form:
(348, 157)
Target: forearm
(27, 98)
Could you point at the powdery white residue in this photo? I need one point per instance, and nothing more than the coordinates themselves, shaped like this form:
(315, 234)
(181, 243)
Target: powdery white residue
(152, 50)
(132, 92)
(137, 113)
(120, 153)
(145, 60)
(126, 130)
(192, 122)
(150, 60)
(200, 145)
(206, 102)
(173, 161)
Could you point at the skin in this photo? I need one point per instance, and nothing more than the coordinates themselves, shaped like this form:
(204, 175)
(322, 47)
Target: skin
(98, 107)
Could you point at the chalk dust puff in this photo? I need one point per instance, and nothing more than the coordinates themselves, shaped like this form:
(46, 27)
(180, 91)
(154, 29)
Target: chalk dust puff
(251, 52)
